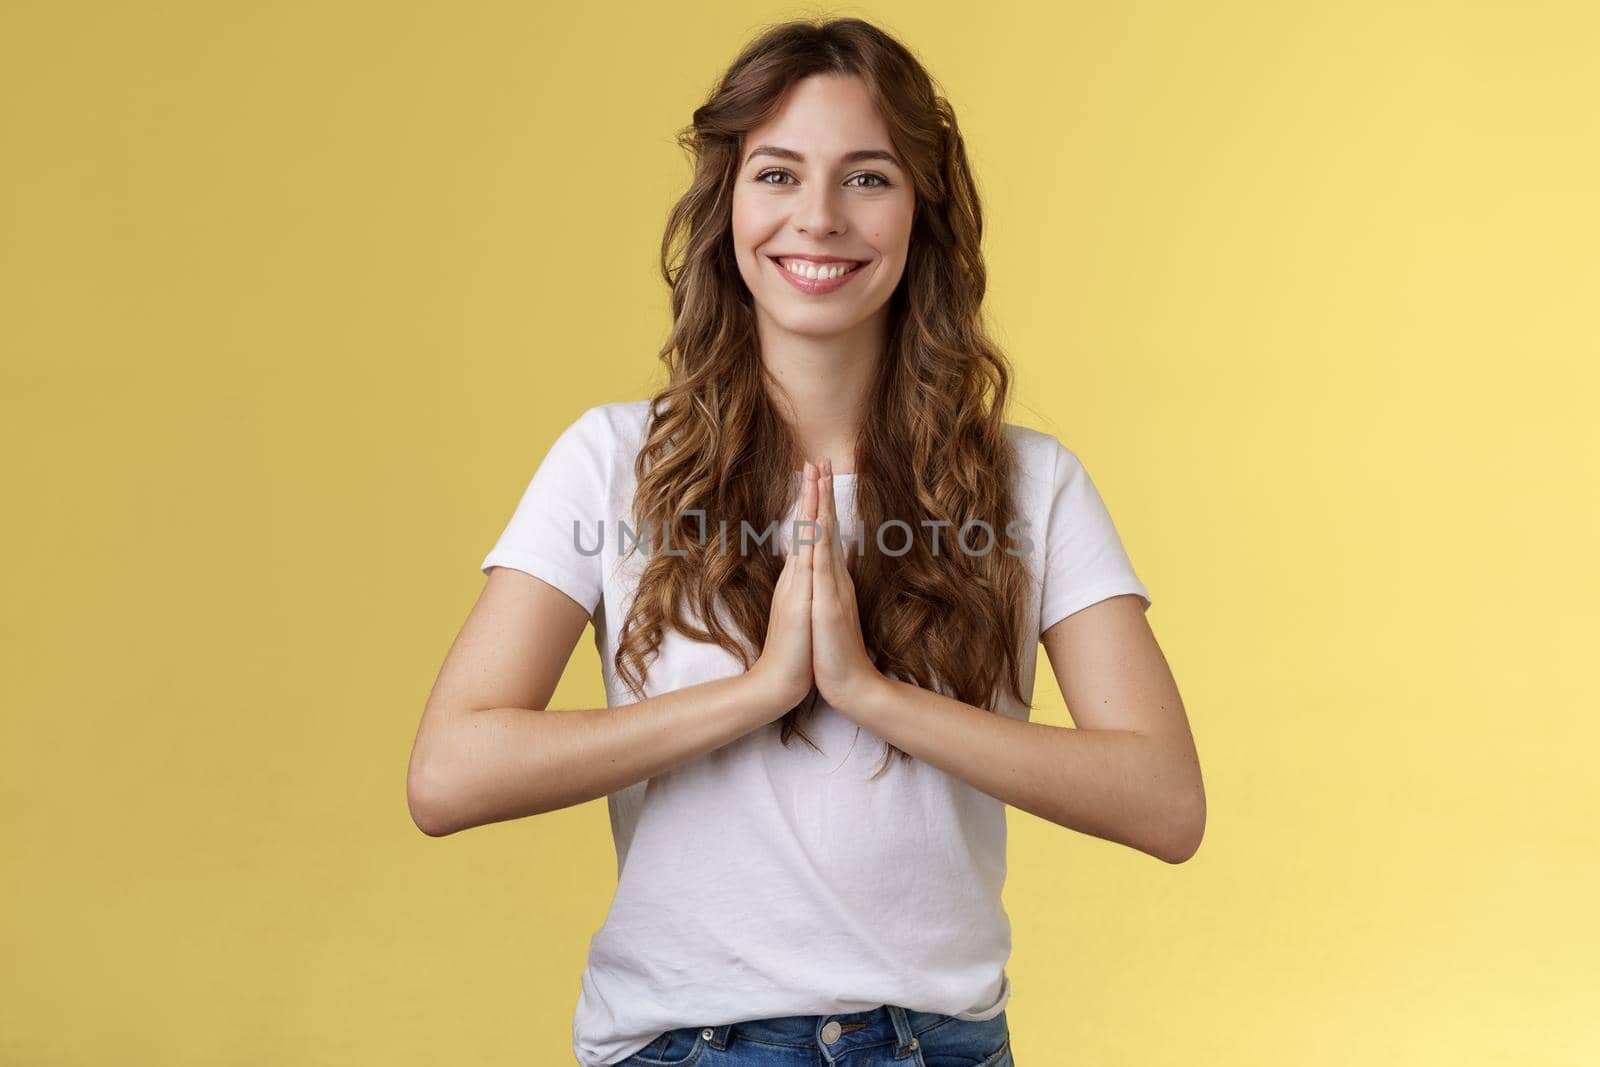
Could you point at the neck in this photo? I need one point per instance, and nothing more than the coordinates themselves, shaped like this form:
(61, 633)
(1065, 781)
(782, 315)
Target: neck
(822, 385)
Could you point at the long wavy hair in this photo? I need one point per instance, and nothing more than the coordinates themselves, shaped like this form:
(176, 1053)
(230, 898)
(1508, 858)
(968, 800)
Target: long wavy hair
(933, 446)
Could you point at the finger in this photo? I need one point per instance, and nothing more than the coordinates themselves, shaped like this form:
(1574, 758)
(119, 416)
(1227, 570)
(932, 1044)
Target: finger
(806, 514)
(822, 562)
(836, 545)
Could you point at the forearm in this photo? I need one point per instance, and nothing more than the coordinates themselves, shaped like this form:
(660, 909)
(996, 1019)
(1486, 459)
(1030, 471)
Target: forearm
(473, 767)
(1135, 789)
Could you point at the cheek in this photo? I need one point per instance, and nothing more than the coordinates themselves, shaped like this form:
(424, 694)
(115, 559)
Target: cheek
(740, 223)
(751, 226)
(743, 212)
(890, 228)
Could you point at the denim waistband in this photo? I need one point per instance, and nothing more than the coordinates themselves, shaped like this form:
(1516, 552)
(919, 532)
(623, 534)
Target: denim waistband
(860, 1029)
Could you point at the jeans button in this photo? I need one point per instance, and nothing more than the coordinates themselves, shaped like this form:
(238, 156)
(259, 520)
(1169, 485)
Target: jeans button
(831, 1032)
(707, 1033)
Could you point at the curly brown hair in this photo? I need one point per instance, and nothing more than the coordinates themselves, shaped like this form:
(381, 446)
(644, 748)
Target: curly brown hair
(933, 445)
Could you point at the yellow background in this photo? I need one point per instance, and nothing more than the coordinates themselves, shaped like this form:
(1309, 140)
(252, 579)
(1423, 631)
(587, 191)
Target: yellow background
(297, 295)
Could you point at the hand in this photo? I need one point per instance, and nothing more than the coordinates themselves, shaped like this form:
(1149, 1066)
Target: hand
(839, 659)
(783, 670)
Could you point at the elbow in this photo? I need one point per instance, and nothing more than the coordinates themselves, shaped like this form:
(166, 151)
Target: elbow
(428, 800)
(1184, 829)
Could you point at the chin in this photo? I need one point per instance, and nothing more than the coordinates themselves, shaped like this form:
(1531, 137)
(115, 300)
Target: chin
(825, 324)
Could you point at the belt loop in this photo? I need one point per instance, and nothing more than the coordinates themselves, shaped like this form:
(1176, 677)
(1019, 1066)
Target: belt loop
(720, 1036)
(902, 1032)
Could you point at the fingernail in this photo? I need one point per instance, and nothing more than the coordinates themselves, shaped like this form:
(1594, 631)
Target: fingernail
(808, 468)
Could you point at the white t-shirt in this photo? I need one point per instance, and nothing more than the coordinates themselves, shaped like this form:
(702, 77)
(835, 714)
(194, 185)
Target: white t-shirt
(760, 880)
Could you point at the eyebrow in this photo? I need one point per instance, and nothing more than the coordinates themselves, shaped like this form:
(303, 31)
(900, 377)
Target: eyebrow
(857, 156)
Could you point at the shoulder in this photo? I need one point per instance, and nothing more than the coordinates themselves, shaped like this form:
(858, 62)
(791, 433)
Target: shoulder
(606, 434)
(1030, 442)
(600, 445)
(1042, 460)
(619, 422)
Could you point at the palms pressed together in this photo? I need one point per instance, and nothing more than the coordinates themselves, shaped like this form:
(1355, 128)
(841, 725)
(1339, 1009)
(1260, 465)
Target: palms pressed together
(814, 634)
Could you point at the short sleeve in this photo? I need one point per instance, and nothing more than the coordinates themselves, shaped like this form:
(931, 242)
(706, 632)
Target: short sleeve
(555, 532)
(1084, 559)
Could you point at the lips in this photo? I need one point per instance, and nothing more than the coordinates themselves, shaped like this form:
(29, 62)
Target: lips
(829, 261)
(817, 286)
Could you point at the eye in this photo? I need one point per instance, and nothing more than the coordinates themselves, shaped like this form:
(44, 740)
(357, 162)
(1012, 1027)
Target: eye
(882, 182)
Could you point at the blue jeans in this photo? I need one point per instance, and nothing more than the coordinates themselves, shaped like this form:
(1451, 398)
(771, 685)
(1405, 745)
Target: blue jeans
(886, 1036)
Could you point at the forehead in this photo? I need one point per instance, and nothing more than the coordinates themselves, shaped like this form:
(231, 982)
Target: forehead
(825, 115)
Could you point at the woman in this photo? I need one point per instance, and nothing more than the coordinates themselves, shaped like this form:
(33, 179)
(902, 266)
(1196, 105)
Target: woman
(784, 896)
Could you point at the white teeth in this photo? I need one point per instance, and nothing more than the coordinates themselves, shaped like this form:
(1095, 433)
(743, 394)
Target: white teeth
(807, 269)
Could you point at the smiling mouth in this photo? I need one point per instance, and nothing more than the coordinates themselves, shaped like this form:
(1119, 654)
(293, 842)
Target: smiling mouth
(824, 272)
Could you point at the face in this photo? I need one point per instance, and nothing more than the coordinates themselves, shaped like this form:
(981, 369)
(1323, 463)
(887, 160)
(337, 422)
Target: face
(807, 197)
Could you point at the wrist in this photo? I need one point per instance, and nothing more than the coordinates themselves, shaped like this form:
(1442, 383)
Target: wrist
(766, 696)
(865, 694)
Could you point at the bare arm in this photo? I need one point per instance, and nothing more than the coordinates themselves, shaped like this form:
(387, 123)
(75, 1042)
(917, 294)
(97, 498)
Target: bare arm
(488, 750)
(1129, 773)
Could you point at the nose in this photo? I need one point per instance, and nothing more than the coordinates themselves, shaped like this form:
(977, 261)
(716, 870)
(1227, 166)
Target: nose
(819, 213)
